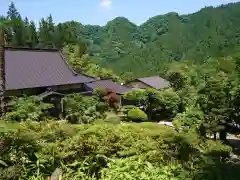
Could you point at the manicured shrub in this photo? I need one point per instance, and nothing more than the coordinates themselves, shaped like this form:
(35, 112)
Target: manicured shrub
(137, 115)
(127, 108)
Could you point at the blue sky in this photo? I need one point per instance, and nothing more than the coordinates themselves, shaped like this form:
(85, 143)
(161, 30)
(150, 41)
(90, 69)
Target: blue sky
(101, 11)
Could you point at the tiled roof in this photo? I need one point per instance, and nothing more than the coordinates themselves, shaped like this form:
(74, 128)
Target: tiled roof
(155, 82)
(118, 88)
(29, 68)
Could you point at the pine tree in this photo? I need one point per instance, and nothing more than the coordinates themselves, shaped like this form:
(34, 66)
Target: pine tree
(33, 34)
(27, 32)
(58, 37)
(19, 33)
(12, 13)
(46, 32)
(30, 33)
(50, 24)
(18, 29)
(43, 32)
(216, 103)
(26, 22)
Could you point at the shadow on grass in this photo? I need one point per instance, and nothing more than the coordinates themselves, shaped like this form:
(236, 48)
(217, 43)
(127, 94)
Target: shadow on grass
(235, 144)
(226, 171)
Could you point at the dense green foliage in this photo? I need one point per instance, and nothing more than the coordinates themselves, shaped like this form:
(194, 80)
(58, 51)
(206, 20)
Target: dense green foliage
(209, 93)
(166, 101)
(81, 63)
(86, 147)
(100, 140)
(27, 108)
(104, 151)
(143, 50)
(136, 115)
(80, 109)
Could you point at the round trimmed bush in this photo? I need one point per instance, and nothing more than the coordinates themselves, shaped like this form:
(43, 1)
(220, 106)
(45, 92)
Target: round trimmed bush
(137, 115)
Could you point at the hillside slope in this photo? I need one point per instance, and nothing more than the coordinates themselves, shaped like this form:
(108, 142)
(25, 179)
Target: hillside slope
(145, 49)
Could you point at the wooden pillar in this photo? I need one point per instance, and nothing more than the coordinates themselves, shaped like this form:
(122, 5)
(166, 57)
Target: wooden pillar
(62, 108)
(2, 71)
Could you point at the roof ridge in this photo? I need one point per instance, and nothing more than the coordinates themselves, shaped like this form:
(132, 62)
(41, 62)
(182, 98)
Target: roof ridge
(95, 80)
(149, 77)
(70, 68)
(31, 49)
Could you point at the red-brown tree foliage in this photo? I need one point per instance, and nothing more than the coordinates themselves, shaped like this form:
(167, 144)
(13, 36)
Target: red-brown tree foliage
(112, 98)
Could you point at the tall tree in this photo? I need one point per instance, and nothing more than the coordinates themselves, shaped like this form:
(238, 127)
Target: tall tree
(33, 36)
(51, 28)
(43, 32)
(26, 32)
(2, 74)
(216, 103)
(12, 13)
(46, 32)
(19, 33)
(58, 37)
(18, 29)
(50, 23)
(5, 25)
(26, 22)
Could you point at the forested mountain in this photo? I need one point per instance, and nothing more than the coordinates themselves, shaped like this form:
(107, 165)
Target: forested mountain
(209, 32)
(98, 137)
(142, 50)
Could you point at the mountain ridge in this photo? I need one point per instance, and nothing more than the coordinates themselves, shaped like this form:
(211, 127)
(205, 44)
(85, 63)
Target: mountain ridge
(169, 37)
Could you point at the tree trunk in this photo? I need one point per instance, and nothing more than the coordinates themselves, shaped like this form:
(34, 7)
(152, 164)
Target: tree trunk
(202, 131)
(150, 111)
(223, 135)
(2, 71)
(215, 136)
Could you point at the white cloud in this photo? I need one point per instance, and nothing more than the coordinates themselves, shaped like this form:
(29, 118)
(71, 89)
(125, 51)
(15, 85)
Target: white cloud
(107, 4)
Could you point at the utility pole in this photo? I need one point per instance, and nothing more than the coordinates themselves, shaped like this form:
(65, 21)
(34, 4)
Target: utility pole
(2, 71)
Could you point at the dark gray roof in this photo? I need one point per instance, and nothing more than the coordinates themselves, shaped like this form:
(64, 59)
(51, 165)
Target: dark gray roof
(118, 88)
(29, 68)
(155, 82)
